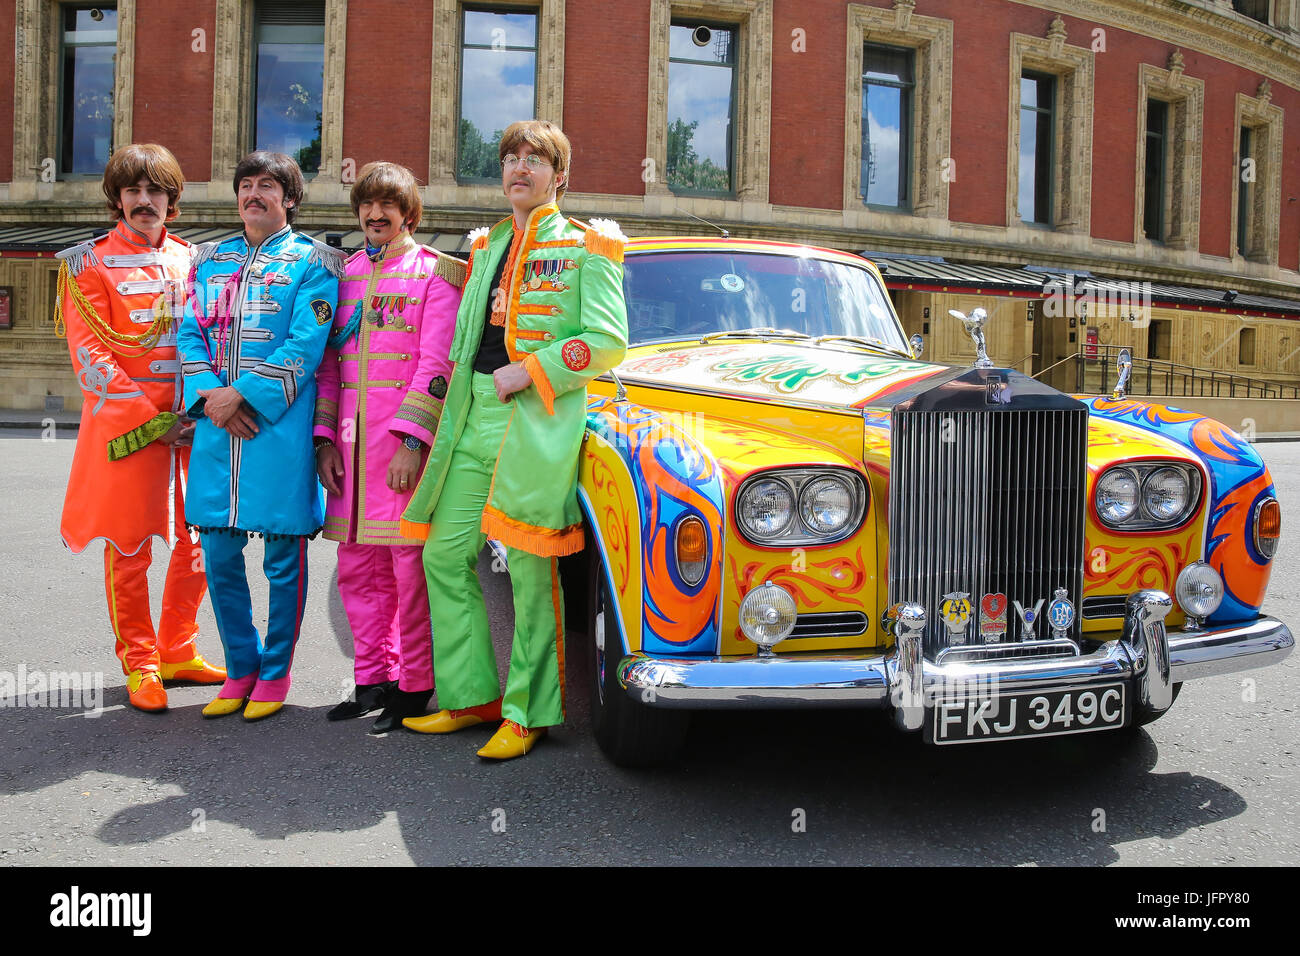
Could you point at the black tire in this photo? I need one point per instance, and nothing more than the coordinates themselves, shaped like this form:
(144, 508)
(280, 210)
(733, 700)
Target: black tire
(1145, 715)
(630, 733)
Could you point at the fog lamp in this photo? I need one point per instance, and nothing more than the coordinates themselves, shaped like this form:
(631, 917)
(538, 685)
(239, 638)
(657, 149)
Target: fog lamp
(1199, 590)
(767, 615)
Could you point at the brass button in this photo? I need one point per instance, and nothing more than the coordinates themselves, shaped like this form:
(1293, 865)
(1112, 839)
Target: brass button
(405, 357)
(400, 384)
(413, 299)
(548, 336)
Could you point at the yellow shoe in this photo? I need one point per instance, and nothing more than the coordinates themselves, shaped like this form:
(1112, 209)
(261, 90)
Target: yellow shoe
(511, 740)
(196, 671)
(223, 706)
(450, 721)
(257, 709)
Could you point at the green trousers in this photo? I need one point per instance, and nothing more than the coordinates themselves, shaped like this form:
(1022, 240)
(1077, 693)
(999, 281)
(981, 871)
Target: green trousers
(464, 663)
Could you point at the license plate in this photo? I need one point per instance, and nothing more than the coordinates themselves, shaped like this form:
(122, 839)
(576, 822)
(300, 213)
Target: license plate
(971, 719)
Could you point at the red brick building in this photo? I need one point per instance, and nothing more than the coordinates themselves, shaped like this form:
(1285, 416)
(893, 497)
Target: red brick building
(1145, 141)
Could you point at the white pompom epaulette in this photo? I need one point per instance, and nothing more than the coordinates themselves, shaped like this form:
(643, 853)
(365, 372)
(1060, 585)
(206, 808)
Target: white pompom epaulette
(608, 228)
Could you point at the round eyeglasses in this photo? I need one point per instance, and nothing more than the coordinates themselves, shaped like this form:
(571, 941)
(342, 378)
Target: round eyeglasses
(532, 160)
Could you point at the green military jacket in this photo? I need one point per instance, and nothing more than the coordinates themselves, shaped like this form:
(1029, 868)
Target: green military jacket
(566, 320)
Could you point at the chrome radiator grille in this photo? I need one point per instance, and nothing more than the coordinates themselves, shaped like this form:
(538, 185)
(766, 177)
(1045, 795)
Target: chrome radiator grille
(986, 502)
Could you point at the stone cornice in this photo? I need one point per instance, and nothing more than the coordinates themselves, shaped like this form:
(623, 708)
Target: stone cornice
(1264, 50)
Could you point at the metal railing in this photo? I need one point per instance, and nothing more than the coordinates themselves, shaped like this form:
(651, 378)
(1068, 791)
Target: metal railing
(1094, 374)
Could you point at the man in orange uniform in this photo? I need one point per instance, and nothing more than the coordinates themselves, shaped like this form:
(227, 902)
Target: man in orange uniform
(120, 297)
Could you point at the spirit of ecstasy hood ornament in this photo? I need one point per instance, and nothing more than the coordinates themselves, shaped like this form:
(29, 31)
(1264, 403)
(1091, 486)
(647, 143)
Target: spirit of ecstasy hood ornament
(974, 324)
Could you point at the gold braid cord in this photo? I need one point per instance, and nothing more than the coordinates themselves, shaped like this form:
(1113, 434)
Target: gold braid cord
(123, 343)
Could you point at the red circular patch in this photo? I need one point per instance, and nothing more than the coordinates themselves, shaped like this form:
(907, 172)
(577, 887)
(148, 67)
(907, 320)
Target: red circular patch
(576, 354)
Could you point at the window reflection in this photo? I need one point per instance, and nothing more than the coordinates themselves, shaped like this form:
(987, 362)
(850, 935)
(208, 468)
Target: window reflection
(498, 85)
(290, 80)
(887, 85)
(89, 53)
(701, 97)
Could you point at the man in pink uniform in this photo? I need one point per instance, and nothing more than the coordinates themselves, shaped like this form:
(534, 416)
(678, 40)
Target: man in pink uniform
(381, 387)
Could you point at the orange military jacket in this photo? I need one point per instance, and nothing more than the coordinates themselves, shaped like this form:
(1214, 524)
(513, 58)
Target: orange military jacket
(124, 282)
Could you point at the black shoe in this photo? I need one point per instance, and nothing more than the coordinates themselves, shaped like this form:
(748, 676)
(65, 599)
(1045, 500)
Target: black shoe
(364, 700)
(403, 703)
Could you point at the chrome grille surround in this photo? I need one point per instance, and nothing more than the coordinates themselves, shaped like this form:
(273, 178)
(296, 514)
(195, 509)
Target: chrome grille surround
(983, 501)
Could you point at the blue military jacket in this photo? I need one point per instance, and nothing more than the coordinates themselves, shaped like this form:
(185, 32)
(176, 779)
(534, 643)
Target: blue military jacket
(276, 302)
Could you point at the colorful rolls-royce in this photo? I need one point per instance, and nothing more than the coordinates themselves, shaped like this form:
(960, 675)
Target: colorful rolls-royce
(785, 507)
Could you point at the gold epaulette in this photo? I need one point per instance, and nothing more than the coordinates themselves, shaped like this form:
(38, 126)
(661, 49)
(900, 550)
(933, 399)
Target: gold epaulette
(452, 270)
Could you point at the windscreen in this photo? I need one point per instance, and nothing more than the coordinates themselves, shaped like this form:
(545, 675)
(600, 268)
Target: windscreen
(689, 294)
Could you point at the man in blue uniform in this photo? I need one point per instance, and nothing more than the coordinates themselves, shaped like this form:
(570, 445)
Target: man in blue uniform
(259, 312)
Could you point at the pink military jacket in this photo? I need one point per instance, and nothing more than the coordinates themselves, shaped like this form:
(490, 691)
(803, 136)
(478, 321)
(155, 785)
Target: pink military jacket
(388, 380)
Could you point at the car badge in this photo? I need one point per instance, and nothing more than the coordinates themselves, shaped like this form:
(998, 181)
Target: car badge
(993, 617)
(954, 610)
(1060, 613)
(1028, 617)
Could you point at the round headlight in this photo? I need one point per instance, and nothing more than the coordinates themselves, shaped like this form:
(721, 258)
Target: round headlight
(766, 507)
(767, 615)
(1166, 494)
(1199, 590)
(1117, 496)
(826, 505)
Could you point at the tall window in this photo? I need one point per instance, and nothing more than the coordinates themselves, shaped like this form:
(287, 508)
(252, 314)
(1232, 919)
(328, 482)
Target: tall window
(290, 78)
(1153, 213)
(887, 85)
(1255, 9)
(701, 103)
(498, 85)
(1037, 125)
(88, 53)
(1246, 175)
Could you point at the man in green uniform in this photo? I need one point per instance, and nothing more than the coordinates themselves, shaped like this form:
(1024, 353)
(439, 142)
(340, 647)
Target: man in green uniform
(543, 313)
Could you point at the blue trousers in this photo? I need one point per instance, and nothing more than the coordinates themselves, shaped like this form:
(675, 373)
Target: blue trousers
(249, 657)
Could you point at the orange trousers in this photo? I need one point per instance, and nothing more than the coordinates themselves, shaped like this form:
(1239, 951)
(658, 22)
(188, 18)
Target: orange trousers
(126, 583)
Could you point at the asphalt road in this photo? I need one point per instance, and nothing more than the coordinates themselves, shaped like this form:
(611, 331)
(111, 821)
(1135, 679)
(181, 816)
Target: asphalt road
(1210, 783)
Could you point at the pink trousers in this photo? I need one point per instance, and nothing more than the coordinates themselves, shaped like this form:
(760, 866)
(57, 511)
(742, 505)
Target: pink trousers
(387, 605)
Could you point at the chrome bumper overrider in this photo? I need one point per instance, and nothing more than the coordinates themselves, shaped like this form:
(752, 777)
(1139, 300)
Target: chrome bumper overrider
(904, 681)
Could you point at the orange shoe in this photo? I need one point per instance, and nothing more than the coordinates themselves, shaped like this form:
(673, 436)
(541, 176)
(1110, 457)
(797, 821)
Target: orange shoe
(511, 740)
(450, 721)
(145, 691)
(195, 671)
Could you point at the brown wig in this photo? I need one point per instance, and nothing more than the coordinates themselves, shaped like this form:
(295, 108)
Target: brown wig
(546, 139)
(389, 181)
(128, 165)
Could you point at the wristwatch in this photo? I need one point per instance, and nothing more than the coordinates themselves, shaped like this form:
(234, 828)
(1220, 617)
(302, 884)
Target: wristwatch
(412, 443)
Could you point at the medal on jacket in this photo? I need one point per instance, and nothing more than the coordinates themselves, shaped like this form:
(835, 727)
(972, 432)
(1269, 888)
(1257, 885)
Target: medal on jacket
(376, 310)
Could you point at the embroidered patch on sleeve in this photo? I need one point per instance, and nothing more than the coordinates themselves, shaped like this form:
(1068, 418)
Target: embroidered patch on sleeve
(324, 311)
(576, 354)
(438, 387)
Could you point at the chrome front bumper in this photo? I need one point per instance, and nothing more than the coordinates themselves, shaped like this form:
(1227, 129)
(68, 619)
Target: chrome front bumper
(907, 683)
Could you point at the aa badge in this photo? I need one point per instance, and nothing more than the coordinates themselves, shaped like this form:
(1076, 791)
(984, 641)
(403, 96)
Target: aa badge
(954, 611)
